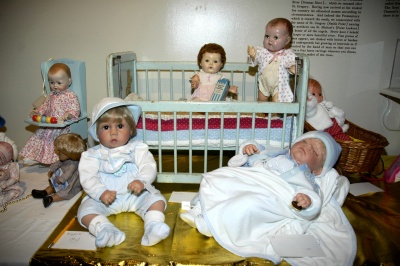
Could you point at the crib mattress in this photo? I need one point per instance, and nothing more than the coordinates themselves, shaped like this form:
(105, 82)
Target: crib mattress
(207, 130)
(375, 219)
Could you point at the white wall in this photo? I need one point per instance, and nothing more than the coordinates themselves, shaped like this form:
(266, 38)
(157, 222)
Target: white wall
(33, 31)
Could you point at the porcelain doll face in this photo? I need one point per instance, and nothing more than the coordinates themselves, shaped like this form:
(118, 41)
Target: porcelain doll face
(211, 63)
(114, 133)
(310, 151)
(276, 37)
(315, 89)
(59, 81)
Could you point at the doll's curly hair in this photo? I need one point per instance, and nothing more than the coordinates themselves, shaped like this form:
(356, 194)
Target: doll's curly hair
(212, 48)
(70, 144)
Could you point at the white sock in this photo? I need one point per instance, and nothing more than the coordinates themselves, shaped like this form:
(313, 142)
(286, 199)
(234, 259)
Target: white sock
(155, 229)
(105, 232)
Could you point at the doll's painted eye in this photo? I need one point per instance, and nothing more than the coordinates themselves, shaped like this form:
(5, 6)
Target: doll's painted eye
(106, 127)
(120, 126)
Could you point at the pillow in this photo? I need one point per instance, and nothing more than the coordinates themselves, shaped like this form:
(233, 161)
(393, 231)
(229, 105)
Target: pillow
(6, 153)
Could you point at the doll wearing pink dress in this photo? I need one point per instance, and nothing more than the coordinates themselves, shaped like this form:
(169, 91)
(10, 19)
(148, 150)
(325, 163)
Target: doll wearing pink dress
(61, 103)
(211, 59)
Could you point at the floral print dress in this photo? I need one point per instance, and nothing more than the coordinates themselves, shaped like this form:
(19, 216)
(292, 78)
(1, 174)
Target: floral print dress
(40, 146)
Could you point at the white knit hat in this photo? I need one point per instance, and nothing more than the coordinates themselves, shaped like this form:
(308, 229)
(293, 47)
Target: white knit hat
(108, 103)
(333, 149)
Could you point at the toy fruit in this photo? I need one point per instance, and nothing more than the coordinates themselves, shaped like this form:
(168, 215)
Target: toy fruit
(34, 118)
(43, 120)
(38, 118)
(48, 119)
(53, 120)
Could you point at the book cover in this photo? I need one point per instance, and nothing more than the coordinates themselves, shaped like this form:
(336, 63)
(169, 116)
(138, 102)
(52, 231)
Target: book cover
(221, 90)
(53, 182)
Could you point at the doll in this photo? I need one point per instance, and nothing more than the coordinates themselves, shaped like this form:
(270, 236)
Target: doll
(117, 176)
(8, 148)
(63, 174)
(9, 183)
(211, 59)
(275, 61)
(61, 103)
(323, 115)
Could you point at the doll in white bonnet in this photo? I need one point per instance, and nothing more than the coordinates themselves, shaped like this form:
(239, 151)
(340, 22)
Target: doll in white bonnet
(117, 176)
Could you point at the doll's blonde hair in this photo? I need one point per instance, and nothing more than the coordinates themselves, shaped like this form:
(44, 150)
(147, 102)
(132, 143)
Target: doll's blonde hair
(212, 48)
(118, 114)
(59, 66)
(289, 27)
(70, 144)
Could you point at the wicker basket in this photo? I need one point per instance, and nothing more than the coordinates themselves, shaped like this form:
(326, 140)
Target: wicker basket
(359, 157)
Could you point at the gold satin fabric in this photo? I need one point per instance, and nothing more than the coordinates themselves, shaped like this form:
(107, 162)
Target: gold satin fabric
(375, 219)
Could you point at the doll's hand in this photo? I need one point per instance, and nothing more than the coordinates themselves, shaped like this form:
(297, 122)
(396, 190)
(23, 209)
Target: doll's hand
(250, 149)
(194, 82)
(136, 187)
(251, 52)
(292, 70)
(302, 200)
(33, 112)
(108, 197)
(233, 89)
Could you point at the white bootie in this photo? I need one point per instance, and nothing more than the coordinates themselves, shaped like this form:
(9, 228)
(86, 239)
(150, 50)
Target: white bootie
(107, 235)
(191, 214)
(155, 229)
(202, 226)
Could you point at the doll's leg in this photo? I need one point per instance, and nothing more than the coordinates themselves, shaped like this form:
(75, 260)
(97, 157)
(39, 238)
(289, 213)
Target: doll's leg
(40, 194)
(92, 215)
(155, 229)
(107, 235)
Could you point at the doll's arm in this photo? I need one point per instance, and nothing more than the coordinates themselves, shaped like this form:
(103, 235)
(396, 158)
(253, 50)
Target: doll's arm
(194, 82)
(251, 51)
(88, 175)
(145, 162)
(67, 172)
(289, 61)
(73, 109)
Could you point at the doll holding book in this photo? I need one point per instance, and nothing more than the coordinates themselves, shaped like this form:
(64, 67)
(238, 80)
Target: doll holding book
(211, 59)
(63, 174)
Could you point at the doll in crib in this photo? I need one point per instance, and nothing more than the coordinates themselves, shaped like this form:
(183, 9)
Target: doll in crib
(275, 61)
(63, 174)
(323, 115)
(61, 103)
(211, 59)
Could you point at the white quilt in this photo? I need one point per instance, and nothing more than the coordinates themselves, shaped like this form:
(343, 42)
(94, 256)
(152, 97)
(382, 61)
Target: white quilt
(242, 206)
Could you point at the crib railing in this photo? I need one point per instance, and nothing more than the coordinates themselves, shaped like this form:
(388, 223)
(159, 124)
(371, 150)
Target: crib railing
(164, 86)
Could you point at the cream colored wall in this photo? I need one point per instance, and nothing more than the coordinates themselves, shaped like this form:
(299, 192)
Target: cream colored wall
(33, 31)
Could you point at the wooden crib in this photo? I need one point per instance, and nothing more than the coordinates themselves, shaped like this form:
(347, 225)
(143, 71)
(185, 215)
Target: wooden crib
(173, 126)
